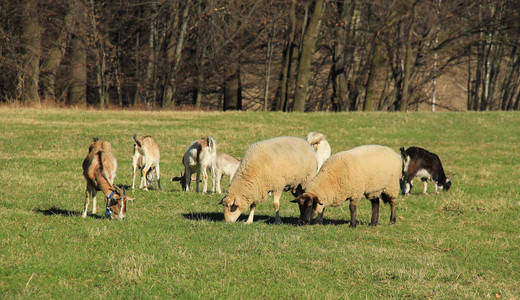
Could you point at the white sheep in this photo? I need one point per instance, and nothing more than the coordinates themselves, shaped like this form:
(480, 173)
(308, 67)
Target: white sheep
(370, 171)
(99, 170)
(320, 145)
(146, 158)
(198, 158)
(225, 165)
(269, 166)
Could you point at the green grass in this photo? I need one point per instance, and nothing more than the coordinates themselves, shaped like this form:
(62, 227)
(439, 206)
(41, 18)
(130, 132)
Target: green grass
(464, 243)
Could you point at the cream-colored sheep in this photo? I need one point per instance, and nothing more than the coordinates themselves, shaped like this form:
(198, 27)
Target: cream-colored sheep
(269, 166)
(320, 145)
(370, 171)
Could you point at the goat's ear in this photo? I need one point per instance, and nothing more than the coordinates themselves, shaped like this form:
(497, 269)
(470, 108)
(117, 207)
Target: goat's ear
(403, 153)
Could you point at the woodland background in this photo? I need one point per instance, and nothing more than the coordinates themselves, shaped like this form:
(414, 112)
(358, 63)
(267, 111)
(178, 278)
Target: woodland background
(288, 55)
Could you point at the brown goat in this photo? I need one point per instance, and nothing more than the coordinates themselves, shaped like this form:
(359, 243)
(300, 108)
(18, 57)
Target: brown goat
(99, 170)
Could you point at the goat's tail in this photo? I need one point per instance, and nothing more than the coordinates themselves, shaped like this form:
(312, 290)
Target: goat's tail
(212, 144)
(136, 140)
(315, 137)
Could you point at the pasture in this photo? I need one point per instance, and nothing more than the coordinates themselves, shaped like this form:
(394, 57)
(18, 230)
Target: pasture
(464, 243)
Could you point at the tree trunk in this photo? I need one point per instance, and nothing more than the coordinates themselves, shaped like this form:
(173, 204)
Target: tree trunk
(304, 67)
(78, 76)
(53, 59)
(31, 45)
(408, 63)
(232, 88)
(174, 58)
(281, 102)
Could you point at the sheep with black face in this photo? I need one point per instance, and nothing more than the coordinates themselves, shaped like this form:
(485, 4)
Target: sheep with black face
(370, 171)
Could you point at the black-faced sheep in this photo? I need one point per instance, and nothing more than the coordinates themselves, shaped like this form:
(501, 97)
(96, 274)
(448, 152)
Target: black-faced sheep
(370, 171)
(99, 170)
(146, 158)
(269, 166)
(419, 162)
(320, 145)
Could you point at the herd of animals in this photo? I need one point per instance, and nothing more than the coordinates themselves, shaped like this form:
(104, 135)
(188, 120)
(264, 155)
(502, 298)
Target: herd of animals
(305, 167)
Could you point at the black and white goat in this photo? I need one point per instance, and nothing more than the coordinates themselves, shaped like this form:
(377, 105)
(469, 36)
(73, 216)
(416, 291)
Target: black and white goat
(418, 162)
(200, 156)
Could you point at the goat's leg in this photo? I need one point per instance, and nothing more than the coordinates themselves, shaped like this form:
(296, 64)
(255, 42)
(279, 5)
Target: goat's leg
(251, 214)
(144, 176)
(425, 185)
(187, 179)
(213, 178)
(158, 174)
(218, 175)
(133, 177)
(87, 200)
(94, 203)
(205, 179)
(198, 180)
(276, 204)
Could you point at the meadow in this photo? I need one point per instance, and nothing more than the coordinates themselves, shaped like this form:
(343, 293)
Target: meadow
(464, 243)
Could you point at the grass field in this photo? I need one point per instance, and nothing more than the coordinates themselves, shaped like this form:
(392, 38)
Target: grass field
(464, 243)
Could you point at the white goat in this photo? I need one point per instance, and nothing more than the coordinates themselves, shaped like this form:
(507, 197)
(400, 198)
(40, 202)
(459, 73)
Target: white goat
(146, 158)
(99, 170)
(320, 146)
(225, 165)
(200, 155)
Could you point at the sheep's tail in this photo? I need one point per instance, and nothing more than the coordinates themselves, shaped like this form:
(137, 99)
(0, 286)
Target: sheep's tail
(136, 140)
(315, 137)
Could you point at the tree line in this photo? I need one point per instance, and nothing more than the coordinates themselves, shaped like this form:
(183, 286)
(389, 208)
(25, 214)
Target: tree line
(286, 55)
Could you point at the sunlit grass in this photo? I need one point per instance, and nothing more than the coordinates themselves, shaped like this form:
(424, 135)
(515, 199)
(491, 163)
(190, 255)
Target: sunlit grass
(457, 244)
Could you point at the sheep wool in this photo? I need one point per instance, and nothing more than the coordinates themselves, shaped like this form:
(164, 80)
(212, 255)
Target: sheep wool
(269, 166)
(370, 171)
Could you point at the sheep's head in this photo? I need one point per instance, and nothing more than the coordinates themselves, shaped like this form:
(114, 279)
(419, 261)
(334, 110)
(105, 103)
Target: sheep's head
(233, 207)
(308, 204)
(116, 204)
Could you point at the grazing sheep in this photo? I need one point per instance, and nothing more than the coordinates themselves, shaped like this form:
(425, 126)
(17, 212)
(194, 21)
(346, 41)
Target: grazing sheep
(225, 165)
(146, 158)
(370, 171)
(269, 166)
(424, 164)
(199, 156)
(99, 169)
(320, 146)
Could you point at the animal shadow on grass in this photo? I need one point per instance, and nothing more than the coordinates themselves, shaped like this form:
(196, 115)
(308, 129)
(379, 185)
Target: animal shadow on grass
(267, 219)
(63, 212)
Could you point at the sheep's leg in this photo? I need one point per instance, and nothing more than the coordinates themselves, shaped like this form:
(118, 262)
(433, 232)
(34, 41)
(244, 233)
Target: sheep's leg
(353, 206)
(87, 200)
(276, 204)
(158, 174)
(425, 185)
(375, 211)
(251, 214)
